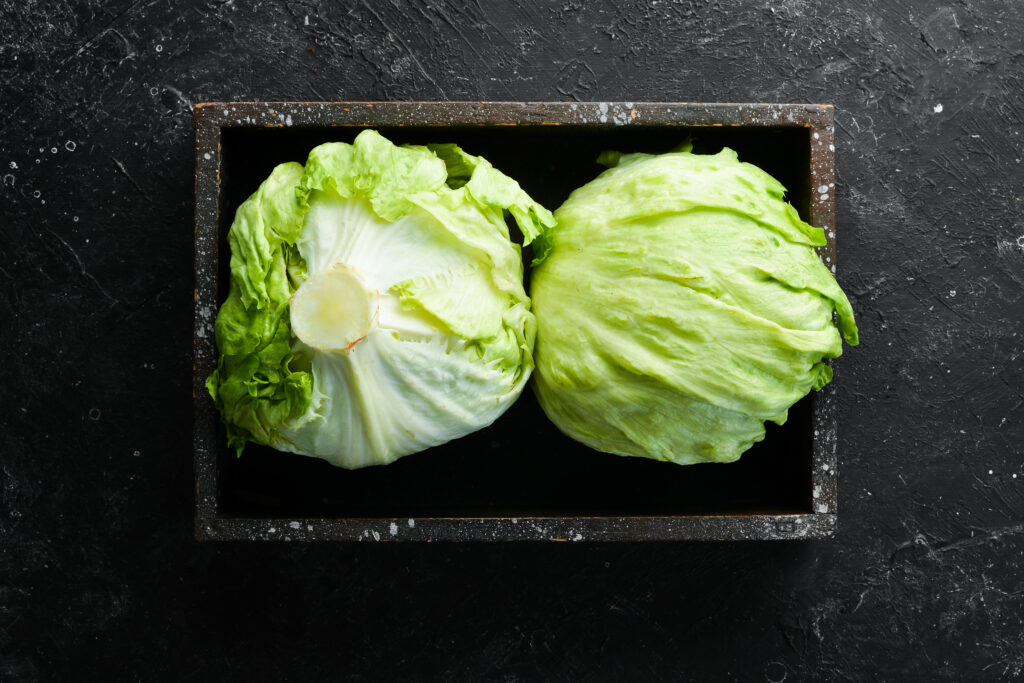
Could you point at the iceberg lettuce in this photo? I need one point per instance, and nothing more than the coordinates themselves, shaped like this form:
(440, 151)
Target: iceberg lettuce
(680, 304)
(376, 304)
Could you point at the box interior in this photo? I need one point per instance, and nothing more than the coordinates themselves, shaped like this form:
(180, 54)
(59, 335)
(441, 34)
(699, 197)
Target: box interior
(521, 465)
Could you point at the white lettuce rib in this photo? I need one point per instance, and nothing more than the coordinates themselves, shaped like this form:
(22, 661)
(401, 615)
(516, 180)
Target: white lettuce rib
(411, 383)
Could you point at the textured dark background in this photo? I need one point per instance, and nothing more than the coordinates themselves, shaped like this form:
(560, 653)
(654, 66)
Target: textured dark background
(98, 569)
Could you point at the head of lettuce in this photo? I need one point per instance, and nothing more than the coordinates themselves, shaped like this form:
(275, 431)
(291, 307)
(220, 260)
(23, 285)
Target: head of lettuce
(376, 305)
(680, 304)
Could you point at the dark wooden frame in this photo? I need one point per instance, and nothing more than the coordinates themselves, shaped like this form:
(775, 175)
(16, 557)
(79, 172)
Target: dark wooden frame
(211, 118)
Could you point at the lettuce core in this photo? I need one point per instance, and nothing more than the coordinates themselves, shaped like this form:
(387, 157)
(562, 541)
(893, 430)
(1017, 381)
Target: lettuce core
(334, 309)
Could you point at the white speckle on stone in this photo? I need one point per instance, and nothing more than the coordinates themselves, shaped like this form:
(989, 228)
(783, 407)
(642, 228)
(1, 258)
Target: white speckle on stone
(411, 522)
(515, 520)
(309, 527)
(135, 453)
(831, 148)
(823, 189)
(952, 292)
(833, 268)
(990, 471)
(937, 108)
(578, 537)
(393, 528)
(272, 530)
(376, 536)
(824, 197)
(159, 47)
(295, 525)
(288, 120)
(70, 145)
(816, 136)
(305, 20)
(206, 155)
(14, 164)
(226, 112)
(53, 150)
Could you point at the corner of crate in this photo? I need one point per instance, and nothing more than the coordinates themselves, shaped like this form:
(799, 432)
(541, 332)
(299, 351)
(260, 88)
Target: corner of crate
(204, 114)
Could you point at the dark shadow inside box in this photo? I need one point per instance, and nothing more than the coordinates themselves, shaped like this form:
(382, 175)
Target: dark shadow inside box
(521, 465)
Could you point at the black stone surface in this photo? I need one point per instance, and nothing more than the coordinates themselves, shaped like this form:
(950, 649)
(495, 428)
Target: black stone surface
(99, 574)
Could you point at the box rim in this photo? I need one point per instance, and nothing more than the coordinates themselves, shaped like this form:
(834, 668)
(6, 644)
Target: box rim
(210, 118)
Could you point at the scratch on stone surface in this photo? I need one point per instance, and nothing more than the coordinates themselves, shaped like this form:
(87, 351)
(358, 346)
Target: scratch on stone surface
(189, 104)
(409, 51)
(918, 540)
(81, 267)
(997, 493)
(121, 167)
(984, 538)
(108, 28)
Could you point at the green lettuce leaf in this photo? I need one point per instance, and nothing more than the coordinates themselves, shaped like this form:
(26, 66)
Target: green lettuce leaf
(259, 382)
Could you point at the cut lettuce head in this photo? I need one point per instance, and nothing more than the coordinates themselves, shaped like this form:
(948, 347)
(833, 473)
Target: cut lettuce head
(680, 304)
(376, 306)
